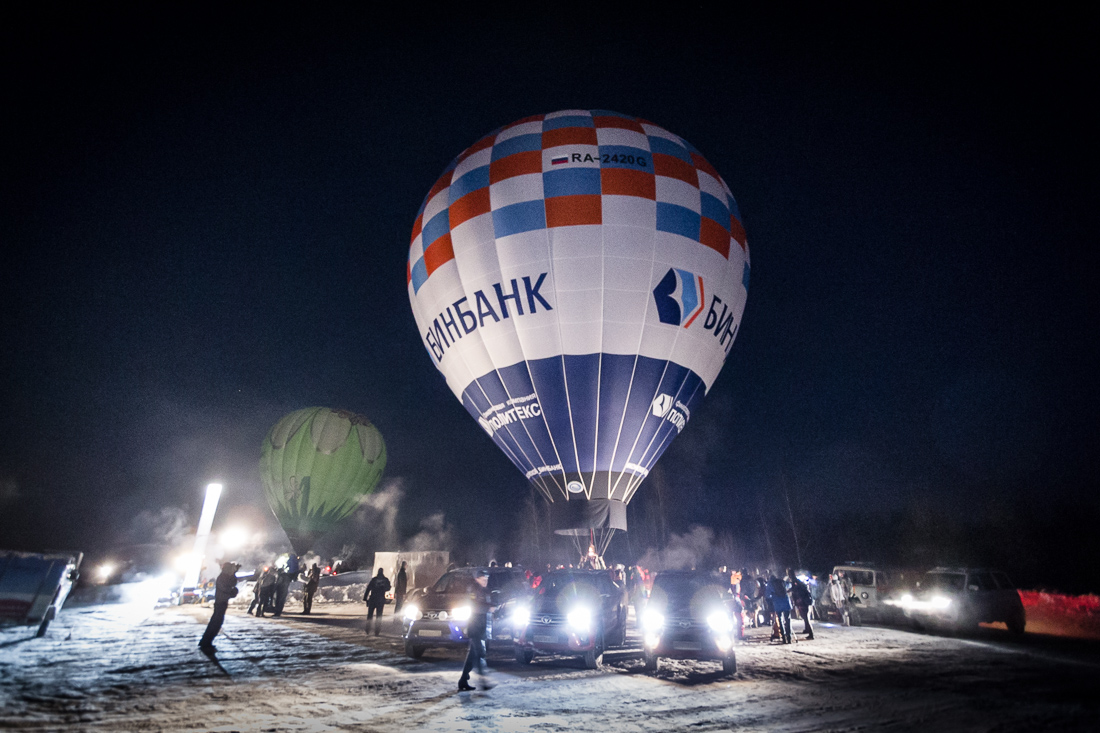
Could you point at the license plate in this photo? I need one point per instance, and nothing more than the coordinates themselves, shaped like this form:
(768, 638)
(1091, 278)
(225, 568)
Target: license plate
(687, 646)
(429, 632)
(545, 638)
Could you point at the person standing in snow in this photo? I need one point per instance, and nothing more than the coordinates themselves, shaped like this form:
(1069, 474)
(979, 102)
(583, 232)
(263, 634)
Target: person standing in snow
(225, 588)
(476, 631)
(375, 596)
(282, 588)
(781, 605)
(256, 587)
(267, 592)
(800, 596)
(312, 582)
(400, 586)
(839, 596)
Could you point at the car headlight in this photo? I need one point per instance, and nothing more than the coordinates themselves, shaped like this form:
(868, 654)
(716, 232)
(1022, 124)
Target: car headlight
(579, 619)
(652, 620)
(462, 613)
(940, 602)
(412, 613)
(907, 599)
(720, 622)
(521, 616)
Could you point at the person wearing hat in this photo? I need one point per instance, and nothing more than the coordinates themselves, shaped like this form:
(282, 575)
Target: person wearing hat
(476, 631)
(225, 588)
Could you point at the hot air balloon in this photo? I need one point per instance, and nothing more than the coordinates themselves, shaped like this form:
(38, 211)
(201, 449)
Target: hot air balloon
(316, 464)
(579, 277)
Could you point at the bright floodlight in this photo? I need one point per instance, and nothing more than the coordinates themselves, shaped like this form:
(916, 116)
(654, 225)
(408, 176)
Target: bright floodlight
(209, 506)
(206, 519)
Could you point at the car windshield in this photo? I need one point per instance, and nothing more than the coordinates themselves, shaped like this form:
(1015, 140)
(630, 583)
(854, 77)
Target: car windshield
(944, 581)
(861, 577)
(506, 582)
(454, 583)
(687, 593)
(558, 592)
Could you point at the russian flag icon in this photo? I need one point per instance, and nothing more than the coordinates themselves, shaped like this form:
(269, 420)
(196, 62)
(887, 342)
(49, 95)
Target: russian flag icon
(559, 161)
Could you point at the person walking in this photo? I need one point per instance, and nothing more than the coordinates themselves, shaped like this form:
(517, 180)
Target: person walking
(225, 588)
(400, 586)
(312, 581)
(800, 597)
(375, 596)
(476, 631)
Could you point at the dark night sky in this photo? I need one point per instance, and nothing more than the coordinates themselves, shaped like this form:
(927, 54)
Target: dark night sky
(206, 222)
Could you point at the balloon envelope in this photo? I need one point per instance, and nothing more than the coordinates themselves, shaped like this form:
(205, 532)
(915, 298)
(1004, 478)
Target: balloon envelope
(578, 278)
(316, 464)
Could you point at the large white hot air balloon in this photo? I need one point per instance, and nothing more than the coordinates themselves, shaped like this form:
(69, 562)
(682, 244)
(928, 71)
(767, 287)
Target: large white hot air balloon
(578, 278)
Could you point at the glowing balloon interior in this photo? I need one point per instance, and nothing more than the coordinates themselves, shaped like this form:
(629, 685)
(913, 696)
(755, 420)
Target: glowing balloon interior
(578, 278)
(316, 464)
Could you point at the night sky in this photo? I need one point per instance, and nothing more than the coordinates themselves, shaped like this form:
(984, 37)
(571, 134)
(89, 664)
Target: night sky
(206, 222)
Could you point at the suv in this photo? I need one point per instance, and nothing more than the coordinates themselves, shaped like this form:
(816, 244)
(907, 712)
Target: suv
(689, 616)
(575, 612)
(438, 616)
(961, 598)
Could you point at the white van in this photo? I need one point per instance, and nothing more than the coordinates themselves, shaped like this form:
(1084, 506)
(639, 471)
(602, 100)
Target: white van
(870, 587)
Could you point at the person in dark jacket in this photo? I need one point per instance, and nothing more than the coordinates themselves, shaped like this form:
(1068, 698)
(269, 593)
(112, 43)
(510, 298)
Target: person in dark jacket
(312, 581)
(225, 588)
(375, 596)
(282, 589)
(400, 585)
(267, 593)
(477, 630)
(800, 597)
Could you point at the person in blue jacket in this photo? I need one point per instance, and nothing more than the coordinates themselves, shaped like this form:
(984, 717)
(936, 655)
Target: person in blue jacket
(777, 594)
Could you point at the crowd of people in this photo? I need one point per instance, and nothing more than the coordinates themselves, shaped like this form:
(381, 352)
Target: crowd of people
(760, 598)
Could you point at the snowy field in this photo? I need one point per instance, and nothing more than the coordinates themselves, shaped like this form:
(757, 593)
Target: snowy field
(121, 668)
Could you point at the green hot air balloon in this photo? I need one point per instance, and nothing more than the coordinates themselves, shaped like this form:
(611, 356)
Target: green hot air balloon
(316, 465)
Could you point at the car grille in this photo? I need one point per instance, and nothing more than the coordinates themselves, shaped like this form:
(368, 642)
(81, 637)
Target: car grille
(673, 625)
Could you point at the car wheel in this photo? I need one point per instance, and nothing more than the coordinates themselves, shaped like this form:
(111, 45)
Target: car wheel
(593, 658)
(729, 664)
(413, 651)
(650, 661)
(524, 656)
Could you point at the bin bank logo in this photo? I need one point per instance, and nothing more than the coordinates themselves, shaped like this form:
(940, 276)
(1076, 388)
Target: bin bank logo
(679, 297)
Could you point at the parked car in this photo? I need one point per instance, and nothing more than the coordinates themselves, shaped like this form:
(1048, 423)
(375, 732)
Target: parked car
(437, 617)
(690, 615)
(573, 612)
(961, 598)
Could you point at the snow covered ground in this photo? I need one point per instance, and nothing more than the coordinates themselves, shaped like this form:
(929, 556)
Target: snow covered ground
(123, 668)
